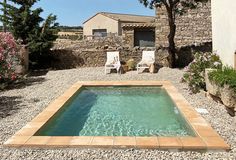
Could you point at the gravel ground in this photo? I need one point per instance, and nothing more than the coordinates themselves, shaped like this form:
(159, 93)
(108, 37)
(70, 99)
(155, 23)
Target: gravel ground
(20, 105)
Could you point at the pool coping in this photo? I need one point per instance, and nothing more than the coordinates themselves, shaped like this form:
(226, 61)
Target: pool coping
(206, 138)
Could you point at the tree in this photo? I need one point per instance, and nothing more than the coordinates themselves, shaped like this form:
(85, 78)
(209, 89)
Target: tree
(4, 15)
(24, 23)
(42, 40)
(21, 20)
(173, 7)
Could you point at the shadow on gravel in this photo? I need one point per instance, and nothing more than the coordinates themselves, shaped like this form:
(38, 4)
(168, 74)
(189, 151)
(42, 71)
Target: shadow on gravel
(29, 81)
(37, 73)
(9, 105)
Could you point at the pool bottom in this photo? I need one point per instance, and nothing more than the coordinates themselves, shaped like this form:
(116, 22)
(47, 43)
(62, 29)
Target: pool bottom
(118, 111)
(206, 138)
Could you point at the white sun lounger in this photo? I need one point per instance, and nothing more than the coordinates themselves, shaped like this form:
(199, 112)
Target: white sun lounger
(113, 61)
(148, 59)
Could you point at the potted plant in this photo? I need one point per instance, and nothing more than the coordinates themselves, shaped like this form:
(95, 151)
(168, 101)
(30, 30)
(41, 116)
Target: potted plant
(222, 83)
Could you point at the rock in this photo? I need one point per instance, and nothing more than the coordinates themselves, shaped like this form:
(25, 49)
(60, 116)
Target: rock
(225, 93)
(111, 48)
(162, 57)
(119, 48)
(211, 87)
(136, 48)
(228, 96)
(106, 47)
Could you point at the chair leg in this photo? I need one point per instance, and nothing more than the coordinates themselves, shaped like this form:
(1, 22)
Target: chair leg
(138, 69)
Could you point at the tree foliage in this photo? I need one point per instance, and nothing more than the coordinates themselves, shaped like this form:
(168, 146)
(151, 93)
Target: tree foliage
(178, 5)
(173, 7)
(27, 25)
(70, 28)
(42, 40)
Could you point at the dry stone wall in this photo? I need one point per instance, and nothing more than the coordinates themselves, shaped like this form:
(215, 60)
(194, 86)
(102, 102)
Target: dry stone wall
(91, 53)
(193, 27)
(71, 54)
(128, 37)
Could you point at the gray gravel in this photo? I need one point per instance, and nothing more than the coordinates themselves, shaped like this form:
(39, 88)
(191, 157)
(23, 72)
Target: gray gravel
(19, 105)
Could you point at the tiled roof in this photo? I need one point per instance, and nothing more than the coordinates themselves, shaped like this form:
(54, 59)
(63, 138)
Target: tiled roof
(138, 25)
(127, 17)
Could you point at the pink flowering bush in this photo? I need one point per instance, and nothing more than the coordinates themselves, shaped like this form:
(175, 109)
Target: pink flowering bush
(196, 70)
(9, 53)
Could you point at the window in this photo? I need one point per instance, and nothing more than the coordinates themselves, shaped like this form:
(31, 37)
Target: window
(99, 32)
(144, 38)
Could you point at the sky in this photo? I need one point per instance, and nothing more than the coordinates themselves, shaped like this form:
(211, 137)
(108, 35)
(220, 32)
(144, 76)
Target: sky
(75, 12)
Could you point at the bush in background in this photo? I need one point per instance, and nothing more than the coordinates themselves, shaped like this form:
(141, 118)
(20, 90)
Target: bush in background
(196, 70)
(131, 64)
(23, 20)
(9, 57)
(224, 76)
(41, 41)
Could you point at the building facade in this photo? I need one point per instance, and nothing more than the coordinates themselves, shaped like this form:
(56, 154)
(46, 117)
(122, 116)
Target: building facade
(193, 28)
(224, 30)
(104, 23)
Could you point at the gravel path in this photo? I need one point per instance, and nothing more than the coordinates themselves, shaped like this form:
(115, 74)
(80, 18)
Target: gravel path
(20, 105)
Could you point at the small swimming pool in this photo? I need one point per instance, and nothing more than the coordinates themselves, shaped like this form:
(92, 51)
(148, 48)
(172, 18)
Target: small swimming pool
(118, 114)
(118, 111)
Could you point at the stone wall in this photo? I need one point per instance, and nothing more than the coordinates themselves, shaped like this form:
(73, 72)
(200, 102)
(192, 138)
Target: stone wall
(128, 37)
(66, 58)
(194, 27)
(92, 53)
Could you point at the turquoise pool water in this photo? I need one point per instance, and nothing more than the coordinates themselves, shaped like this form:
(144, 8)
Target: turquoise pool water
(118, 111)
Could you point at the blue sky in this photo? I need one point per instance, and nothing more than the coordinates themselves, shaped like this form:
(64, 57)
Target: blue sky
(75, 12)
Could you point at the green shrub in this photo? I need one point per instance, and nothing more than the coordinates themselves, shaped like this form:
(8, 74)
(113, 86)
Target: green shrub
(227, 76)
(196, 69)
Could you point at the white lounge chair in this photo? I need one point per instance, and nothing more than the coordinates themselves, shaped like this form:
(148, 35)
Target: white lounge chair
(148, 59)
(113, 61)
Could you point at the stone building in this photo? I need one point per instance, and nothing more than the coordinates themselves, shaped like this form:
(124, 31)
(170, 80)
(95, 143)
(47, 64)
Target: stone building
(193, 28)
(104, 23)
